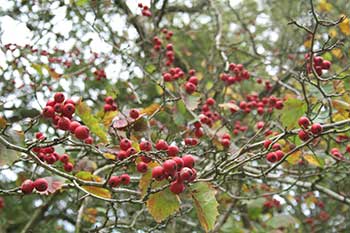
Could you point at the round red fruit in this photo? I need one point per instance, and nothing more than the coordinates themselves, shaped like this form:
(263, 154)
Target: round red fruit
(188, 161)
(125, 144)
(125, 179)
(142, 167)
(303, 135)
(27, 186)
(177, 187)
(81, 132)
(114, 181)
(73, 125)
(158, 173)
(271, 157)
(145, 146)
(173, 150)
(68, 167)
(161, 145)
(59, 97)
(134, 113)
(304, 122)
(48, 112)
(64, 123)
(41, 184)
(316, 128)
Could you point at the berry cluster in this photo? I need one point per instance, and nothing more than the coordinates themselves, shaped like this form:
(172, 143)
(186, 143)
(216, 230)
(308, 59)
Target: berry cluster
(336, 153)
(192, 82)
(225, 140)
(100, 74)
(115, 181)
(237, 74)
(266, 104)
(39, 184)
(169, 49)
(178, 170)
(173, 74)
(276, 154)
(304, 133)
(271, 203)
(191, 141)
(110, 105)
(61, 112)
(126, 149)
(145, 10)
(319, 64)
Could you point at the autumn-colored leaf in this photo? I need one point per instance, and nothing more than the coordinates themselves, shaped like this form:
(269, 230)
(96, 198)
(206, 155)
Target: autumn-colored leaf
(294, 158)
(203, 195)
(84, 175)
(324, 6)
(150, 109)
(2, 122)
(229, 106)
(161, 204)
(292, 111)
(90, 215)
(101, 192)
(337, 53)
(345, 26)
(109, 156)
(54, 183)
(108, 118)
(313, 160)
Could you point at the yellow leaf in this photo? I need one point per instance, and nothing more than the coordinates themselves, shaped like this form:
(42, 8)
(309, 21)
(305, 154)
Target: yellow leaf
(332, 32)
(307, 43)
(229, 106)
(337, 53)
(109, 156)
(294, 158)
(108, 117)
(101, 192)
(53, 73)
(85, 175)
(150, 109)
(345, 26)
(313, 160)
(325, 6)
(90, 215)
(342, 107)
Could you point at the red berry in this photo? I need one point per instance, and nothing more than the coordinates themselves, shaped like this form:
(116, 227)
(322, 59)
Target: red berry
(109, 100)
(271, 157)
(68, 167)
(304, 122)
(225, 142)
(27, 186)
(267, 143)
(276, 146)
(210, 101)
(39, 135)
(89, 140)
(48, 112)
(186, 174)
(68, 109)
(279, 104)
(188, 141)
(134, 113)
(169, 166)
(107, 108)
(158, 173)
(260, 125)
(188, 161)
(59, 97)
(64, 158)
(125, 144)
(125, 179)
(145, 146)
(142, 167)
(303, 135)
(190, 87)
(326, 65)
(145, 159)
(172, 150)
(122, 154)
(179, 163)
(50, 159)
(161, 145)
(69, 101)
(226, 136)
(316, 128)
(279, 154)
(199, 133)
(73, 125)
(81, 132)
(194, 80)
(114, 181)
(177, 187)
(63, 123)
(131, 151)
(41, 184)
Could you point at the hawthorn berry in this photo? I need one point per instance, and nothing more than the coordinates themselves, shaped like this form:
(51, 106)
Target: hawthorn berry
(170, 166)
(145, 159)
(122, 154)
(186, 174)
(267, 143)
(272, 157)
(59, 97)
(41, 184)
(109, 100)
(210, 101)
(125, 179)
(142, 167)
(161, 145)
(172, 150)
(68, 167)
(81, 132)
(145, 146)
(225, 142)
(316, 128)
(304, 122)
(64, 158)
(158, 173)
(64, 123)
(190, 87)
(48, 112)
(114, 181)
(125, 144)
(177, 187)
(188, 161)
(73, 125)
(303, 135)
(27, 186)
(68, 109)
(279, 154)
(179, 163)
(134, 113)
(89, 140)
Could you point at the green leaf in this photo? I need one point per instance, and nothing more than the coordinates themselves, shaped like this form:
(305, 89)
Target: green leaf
(203, 195)
(255, 208)
(292, 111)
(150, 68)
(161, 204)
(7, 156)
(282, 220)
(85, 114)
